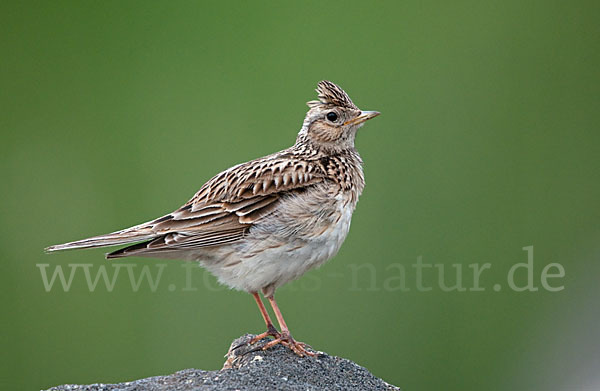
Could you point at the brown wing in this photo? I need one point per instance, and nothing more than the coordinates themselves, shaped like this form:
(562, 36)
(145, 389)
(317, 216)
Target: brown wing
(227, 206)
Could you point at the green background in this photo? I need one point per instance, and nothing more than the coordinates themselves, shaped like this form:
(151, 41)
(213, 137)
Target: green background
(113, 113)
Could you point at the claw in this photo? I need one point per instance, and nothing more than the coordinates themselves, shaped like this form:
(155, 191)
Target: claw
(286, 340)
(284, 337)
(271, 332)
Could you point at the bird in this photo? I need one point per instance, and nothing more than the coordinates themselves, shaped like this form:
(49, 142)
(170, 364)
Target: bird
(261, 224)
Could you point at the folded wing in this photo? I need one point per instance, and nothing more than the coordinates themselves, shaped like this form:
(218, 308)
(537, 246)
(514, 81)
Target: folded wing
(221, 212)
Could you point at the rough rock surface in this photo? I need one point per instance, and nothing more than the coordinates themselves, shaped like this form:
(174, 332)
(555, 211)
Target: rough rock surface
(249, 368)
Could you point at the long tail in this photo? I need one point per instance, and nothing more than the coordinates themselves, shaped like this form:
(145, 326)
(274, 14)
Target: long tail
(130, 235)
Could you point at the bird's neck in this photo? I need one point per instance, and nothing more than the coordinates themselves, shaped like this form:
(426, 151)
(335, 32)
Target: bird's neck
(341, 165)
(305, 143)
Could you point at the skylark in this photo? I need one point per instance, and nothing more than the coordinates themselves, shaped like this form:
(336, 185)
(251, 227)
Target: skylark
(261, 224)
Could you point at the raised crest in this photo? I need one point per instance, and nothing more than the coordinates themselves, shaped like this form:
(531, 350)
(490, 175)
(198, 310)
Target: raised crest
(332, 94)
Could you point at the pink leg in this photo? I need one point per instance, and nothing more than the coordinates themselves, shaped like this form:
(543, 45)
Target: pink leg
(271, 330)
(285, 338)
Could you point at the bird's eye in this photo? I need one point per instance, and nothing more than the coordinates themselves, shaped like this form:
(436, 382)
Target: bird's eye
(332, 116)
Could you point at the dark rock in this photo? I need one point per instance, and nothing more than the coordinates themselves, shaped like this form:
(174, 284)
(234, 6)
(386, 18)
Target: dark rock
(250, 368)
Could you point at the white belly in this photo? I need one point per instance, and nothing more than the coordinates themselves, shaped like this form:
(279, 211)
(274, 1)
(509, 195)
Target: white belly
(267, 259)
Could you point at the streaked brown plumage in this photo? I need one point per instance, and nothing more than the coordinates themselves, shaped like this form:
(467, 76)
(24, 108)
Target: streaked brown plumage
(263, 223)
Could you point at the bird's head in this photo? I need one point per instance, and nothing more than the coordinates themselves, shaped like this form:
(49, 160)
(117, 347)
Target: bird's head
(332, 121)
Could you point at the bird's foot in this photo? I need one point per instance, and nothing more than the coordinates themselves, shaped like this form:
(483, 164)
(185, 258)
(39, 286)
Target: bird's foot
(286, 340)
(271, 332)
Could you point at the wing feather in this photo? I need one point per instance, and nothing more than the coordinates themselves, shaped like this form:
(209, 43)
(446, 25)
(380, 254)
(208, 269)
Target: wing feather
(227, 206)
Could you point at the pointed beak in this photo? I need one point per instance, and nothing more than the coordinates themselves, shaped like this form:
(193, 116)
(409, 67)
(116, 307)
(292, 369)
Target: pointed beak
(364, 116)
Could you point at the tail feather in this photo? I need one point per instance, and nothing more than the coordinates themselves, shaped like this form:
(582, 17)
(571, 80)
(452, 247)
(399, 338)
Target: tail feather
(130, 235)
(134, 249)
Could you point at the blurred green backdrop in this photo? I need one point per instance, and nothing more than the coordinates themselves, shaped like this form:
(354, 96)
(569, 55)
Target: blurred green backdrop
(116, 112)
